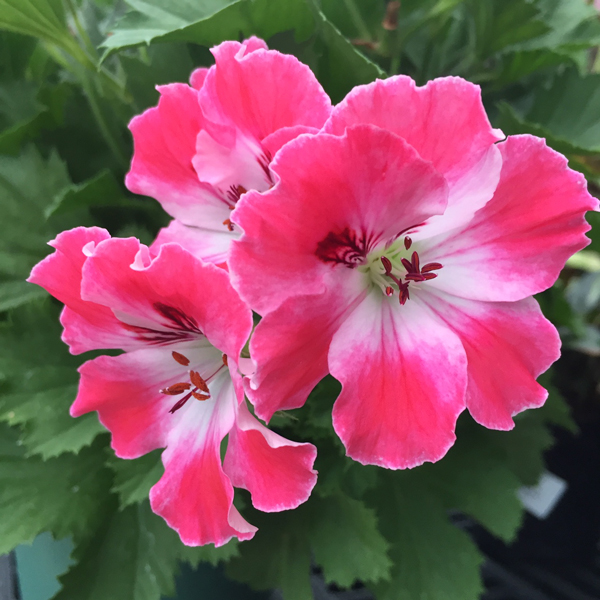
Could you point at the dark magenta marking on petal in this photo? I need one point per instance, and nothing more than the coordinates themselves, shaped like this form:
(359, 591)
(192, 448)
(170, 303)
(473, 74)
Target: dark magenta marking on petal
(345, 248)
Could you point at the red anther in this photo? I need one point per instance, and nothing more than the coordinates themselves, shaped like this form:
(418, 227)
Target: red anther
(389, 290)
(428, 276)
(198, 381)
(415, 262)
(404, 295)
(200, 397)
(176, 388)
(387, 264)
(225, 359)
(180, 358)
(431, 267)
(407, 265)
(229, 224)
(414, 277)
(407, 242)
(241, 189)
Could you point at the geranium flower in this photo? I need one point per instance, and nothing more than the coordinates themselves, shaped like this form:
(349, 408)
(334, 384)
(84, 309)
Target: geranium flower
(399, 251)
(177, 385)
(203, 146)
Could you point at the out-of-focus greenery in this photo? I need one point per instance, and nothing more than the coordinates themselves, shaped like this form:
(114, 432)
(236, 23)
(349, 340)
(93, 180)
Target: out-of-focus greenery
(72, 74)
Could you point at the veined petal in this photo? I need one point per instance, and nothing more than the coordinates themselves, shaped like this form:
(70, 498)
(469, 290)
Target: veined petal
(175, 298)
(517, 244)
(404, 378)
(87, 325)
(277, 472)
(446, 123)
(205, 244)
(508, 345)
(355, 190)
(289, 348)
(125, 390)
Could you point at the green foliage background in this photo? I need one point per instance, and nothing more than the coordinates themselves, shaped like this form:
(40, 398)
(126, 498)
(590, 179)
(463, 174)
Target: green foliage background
(72, 74)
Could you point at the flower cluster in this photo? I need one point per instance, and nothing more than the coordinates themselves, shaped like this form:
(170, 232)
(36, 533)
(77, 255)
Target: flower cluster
(393, 241)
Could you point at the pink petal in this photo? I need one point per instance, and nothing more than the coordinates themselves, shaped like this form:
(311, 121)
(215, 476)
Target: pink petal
(88, 326)
(277, 472)
(508, 345)
(205, 244)
(368, 182)
(262, 90)
(446, 123)
(276, 140)
(165, 143)
(289, 347)
(173, 283)
(444, 120)
(197, 77)
(195, 496)
(518, 243)
(404, 377)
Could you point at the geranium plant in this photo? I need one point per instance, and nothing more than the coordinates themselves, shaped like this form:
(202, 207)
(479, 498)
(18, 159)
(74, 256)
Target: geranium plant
(300, 253)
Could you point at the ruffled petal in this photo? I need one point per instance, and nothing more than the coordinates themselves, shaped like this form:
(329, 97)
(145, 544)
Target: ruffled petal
(444, 120)
(164, 145)
(277, 472)
(289, 348)
(349, 192)
(87, 325)
(508, 345)
(404, 378)
(125, 390)
(195, 496)
(174, 298)
(446, 123)
(205, 244)
(262, 90)
(517, 244)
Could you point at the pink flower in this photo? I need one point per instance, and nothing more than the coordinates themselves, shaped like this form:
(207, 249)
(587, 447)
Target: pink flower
(203, 146)
(399, 251)
(177, 385)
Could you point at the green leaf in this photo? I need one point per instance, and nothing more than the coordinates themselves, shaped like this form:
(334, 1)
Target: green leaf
(432, 558)
(278, 556)
(208, 22)
(337, 64)
(134, 478)
(340, 532)
(346, 541)
(476, 478)
(567, 114)
(132, 556)
(40, 383)
(101, 190)
(209, 554)
(28, 184)
(60, 495)
(43, 19)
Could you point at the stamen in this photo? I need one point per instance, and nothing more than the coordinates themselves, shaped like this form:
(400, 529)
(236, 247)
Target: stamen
(180, 358)
(229, 224)
(429, 276)
(198, 381)
(415, 262)
(175, 389)
(387, 264)
(431, 267)
(407, 265)
(404, 295)
(225, 359)
(389, 290)
(414, 277)
(201, 397)
(407, 242)
(180, 402)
